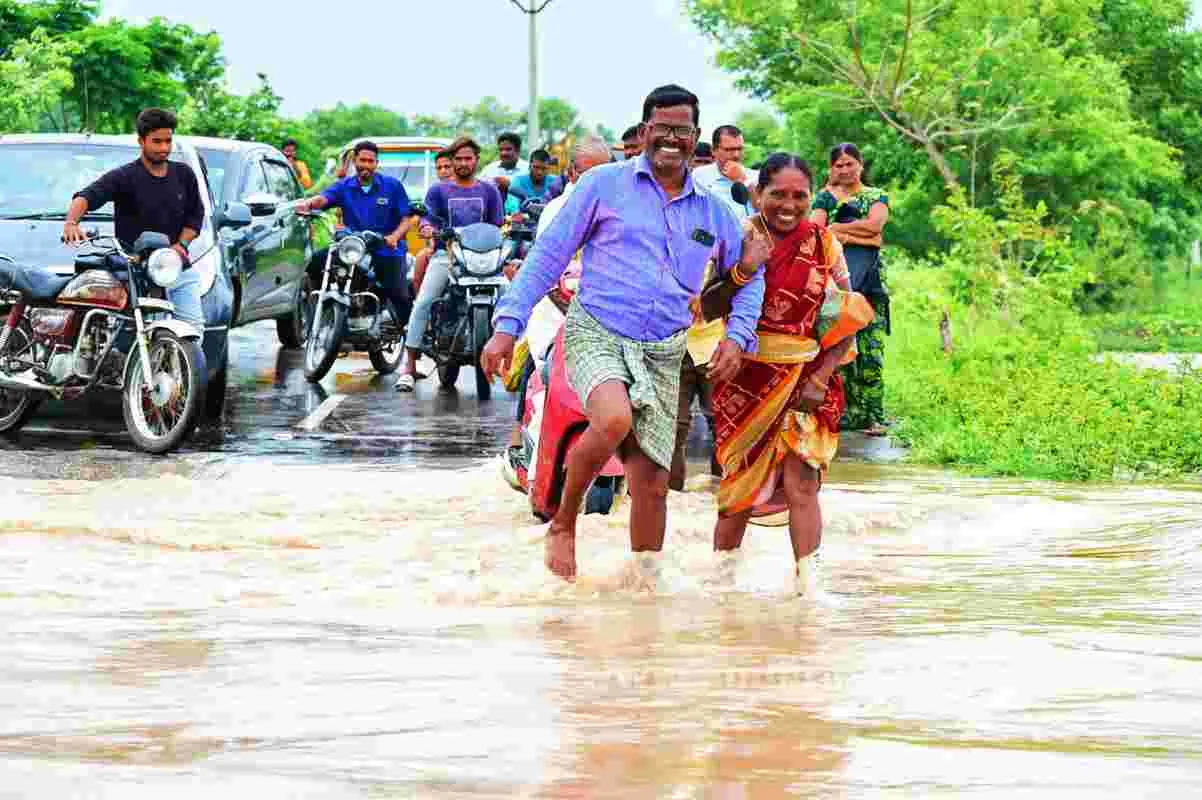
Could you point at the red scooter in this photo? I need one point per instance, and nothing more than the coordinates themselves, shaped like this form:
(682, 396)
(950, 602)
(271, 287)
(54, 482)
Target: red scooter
(553, 420)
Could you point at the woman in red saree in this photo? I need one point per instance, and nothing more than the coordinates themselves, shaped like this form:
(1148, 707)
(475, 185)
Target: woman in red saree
(777, 420)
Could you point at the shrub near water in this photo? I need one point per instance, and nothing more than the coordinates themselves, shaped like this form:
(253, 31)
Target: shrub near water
(1032, 402)
(1022, 392)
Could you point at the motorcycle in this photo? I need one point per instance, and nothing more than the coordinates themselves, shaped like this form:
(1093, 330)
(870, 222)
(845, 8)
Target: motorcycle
(553, 418)
(346, 313)
(109, 326)
(461, 319)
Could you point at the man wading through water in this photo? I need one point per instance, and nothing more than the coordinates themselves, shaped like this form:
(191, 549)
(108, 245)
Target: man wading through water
(647, 232)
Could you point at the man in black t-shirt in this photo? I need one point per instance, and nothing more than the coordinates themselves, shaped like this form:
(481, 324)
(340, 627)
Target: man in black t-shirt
(151, 194)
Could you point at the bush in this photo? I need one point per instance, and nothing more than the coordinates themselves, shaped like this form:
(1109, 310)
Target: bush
(1022, 393)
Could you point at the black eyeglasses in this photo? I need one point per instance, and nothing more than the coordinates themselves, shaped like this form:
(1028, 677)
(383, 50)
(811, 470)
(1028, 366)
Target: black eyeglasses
(679, 131)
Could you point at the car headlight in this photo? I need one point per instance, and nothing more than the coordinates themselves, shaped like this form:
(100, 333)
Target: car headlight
(164, 267)
(480, 263)
(351, 250)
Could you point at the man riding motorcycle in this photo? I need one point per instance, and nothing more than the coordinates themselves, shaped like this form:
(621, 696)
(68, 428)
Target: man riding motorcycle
(151, 194)
(371, 201)
(459, 202)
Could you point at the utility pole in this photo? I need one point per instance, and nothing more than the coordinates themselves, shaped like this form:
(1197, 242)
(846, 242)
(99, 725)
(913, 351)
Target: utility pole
(532, 10)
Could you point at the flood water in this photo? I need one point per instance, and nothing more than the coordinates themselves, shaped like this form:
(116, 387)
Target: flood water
(375, 626)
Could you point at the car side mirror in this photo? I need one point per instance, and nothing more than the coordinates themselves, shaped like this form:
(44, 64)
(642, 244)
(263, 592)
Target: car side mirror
(150, 241)
(234, 215)
(261, 204)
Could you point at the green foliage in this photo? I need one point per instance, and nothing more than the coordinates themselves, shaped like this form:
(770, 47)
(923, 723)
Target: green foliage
(334, 127)
(252, 118)
(1022, 394)
(32, 80)
(1101, 99)
(763, 134)
(1163, 317)
(557, 119)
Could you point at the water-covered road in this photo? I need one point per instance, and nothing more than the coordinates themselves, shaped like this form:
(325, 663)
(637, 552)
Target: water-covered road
(360, 610)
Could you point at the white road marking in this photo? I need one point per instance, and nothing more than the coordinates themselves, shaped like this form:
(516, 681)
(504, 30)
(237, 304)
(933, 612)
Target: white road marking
(314, 420)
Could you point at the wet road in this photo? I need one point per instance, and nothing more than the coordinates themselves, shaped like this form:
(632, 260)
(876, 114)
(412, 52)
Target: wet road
(361, 611)
(273, 413)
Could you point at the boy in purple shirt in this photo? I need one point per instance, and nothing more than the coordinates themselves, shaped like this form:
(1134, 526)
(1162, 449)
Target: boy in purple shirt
(647, 233)
(457, 202)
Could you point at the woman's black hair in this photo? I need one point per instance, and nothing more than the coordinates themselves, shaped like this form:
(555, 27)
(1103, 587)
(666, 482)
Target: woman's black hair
(846, 149)
(779, 161)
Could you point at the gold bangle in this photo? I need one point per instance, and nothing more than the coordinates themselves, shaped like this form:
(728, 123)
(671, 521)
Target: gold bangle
(736, 275)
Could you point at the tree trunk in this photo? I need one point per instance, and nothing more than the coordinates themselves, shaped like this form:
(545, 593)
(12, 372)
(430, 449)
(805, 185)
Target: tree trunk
(945, 332)
(945, 169)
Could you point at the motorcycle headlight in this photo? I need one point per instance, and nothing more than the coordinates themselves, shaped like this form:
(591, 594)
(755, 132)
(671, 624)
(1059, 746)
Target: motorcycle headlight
(480, 263)
(351, 250)
(164, 267)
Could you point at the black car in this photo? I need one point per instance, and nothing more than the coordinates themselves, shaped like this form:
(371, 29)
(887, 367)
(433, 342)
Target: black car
(249, 271)
(266, 261)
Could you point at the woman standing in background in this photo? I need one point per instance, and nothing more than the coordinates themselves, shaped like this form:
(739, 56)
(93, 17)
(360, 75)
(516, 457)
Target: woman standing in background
(856, 214)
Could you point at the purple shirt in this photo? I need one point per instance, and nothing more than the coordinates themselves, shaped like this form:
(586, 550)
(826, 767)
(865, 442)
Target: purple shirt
(449, 203)
(644, 257)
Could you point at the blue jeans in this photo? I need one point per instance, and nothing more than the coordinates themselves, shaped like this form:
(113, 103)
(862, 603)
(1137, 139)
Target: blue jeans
(185, 296)
(438, 275)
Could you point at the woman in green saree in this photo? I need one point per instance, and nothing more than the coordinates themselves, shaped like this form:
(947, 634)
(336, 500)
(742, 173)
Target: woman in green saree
(856, 214)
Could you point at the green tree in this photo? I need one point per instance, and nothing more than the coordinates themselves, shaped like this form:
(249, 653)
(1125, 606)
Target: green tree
(20, 18)
(957, 82)
(120, 69)
(605, 132)
(32, 80)
(762, 134)
(486, 120)
(334, 127)
(432, 125)
(557, 119)
(252, 118)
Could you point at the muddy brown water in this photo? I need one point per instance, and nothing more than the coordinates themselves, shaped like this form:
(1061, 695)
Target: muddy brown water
(269, 623)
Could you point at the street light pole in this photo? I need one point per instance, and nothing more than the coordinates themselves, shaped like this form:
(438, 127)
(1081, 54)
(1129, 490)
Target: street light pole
(533, 134)
(532, 124)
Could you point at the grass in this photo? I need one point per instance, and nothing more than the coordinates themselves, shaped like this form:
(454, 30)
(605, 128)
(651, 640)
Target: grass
(1022, 394)
(1166, 318)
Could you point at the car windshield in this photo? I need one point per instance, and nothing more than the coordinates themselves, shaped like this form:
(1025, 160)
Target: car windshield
(410, 169)
(216, 163)
(40, 179)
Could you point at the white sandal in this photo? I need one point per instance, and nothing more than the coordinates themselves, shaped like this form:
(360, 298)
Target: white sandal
(405, 383)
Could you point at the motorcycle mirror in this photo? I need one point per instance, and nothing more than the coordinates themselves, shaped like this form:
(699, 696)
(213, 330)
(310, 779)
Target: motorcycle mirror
(234, 215)
(149, 241)
(739, 193)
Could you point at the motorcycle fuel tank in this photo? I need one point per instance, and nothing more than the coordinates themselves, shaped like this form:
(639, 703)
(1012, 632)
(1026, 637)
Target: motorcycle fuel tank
(95, 288)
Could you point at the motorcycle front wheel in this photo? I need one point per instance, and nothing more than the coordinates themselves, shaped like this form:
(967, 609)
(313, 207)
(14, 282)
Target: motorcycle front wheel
(160, 418)
(481, 330)
(322, 346)
(387, 359)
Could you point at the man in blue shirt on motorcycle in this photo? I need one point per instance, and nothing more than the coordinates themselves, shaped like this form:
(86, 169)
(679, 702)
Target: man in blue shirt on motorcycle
(374, 202)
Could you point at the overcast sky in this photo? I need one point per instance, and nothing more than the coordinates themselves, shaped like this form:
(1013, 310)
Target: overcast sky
(418, 56)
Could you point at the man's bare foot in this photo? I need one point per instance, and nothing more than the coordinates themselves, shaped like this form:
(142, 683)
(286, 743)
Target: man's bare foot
(560, 555)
